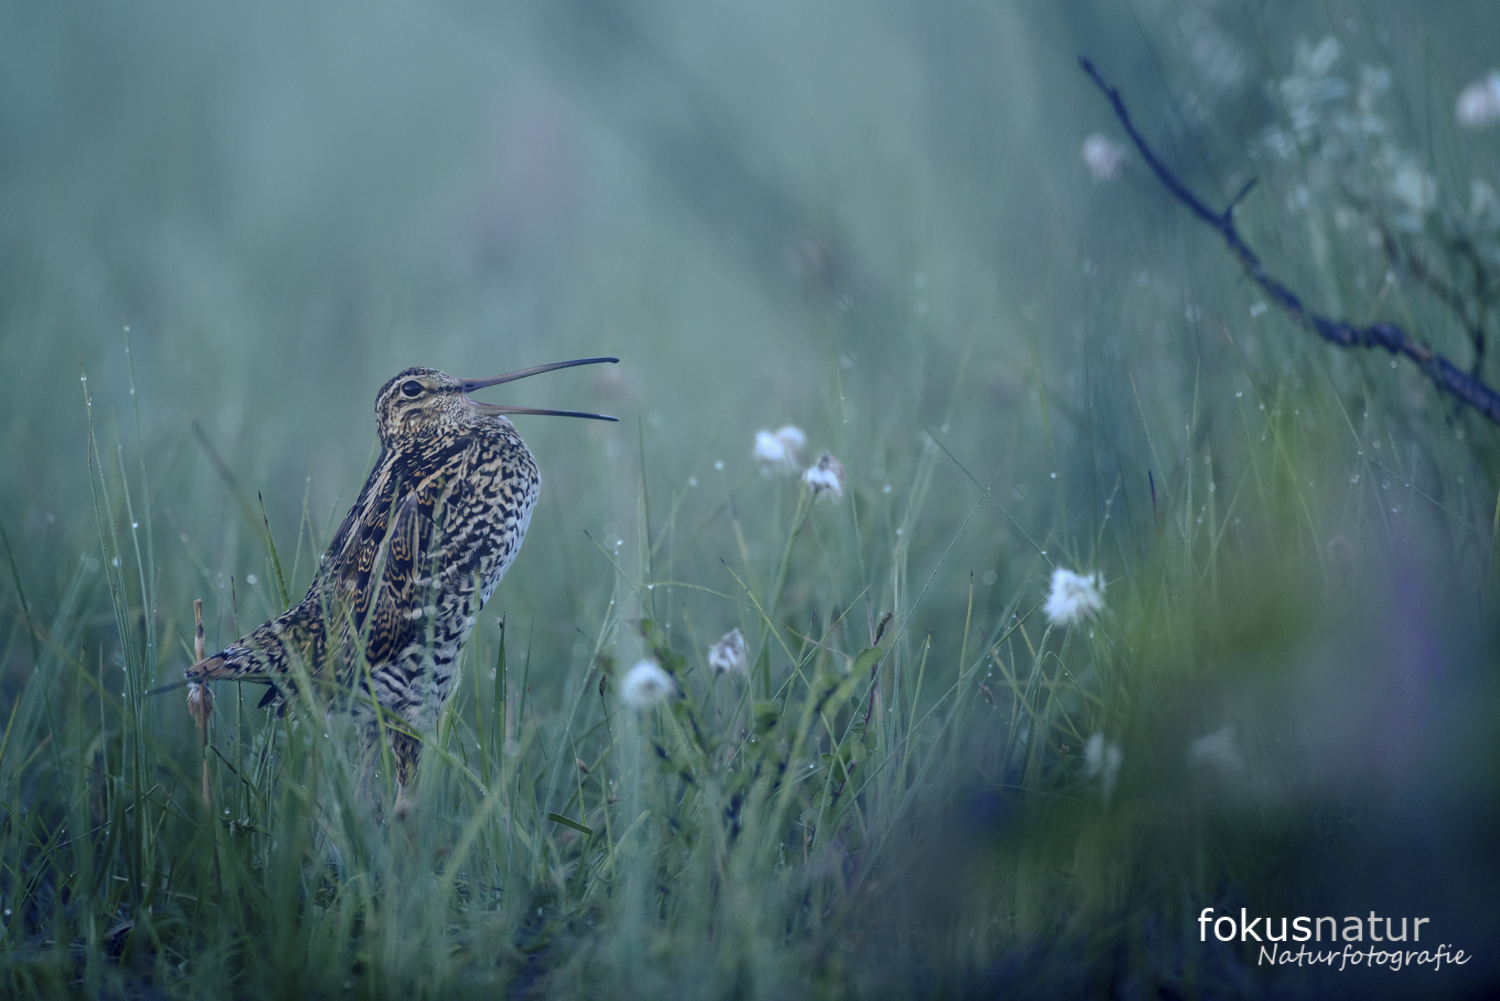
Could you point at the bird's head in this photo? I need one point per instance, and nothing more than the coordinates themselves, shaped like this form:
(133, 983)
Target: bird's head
(423, 400)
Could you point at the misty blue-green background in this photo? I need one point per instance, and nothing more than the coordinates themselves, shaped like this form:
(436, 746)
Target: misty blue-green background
(288, 203)
(871, 220)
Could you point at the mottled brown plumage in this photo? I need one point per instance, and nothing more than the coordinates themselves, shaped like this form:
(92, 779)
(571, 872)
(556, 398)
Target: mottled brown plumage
(438, 523)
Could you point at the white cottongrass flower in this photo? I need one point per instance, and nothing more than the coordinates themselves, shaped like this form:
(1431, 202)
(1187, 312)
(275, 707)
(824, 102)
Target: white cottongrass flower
(645, 685)
(777, 451)
(1308, 91)
(1103, 757)
(1074, 597)
(1217, 750)
(1104, 157)
(728, 655)
(1479, 102)
(1413, 187)
(1484, 205)
(826, 478)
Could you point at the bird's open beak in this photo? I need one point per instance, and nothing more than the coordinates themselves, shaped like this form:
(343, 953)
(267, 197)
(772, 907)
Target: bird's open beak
(469, 385)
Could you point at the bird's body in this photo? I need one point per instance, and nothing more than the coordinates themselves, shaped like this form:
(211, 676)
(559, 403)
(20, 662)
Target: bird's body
(439, 521)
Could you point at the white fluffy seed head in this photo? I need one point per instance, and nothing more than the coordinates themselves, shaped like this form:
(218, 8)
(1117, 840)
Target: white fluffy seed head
(728, 655)
(1103, 157)
(645, 685)
(826, 478)
(777, 451)
(1103, 758)
(1414, 188)
(1074, 597)
(1479, 103)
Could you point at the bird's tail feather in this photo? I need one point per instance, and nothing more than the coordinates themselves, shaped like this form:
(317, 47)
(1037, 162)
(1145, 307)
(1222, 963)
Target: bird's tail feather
(210, 669)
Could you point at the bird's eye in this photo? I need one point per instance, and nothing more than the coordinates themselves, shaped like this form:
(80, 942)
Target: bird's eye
(411, 387)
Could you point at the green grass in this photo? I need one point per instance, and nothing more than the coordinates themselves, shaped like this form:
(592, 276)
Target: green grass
(848, 814)
(1300, 547)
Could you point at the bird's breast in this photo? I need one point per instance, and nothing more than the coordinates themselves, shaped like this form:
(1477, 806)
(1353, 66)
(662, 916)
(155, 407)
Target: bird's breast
(506, 484)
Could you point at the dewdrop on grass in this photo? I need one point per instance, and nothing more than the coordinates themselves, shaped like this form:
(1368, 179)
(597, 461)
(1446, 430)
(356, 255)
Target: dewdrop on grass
(645, 685)
(728, 655)
(1074, 597)
(776, 451)
(826, 478)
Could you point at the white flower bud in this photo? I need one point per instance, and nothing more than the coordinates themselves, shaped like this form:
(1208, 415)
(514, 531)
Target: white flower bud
(776, 451)
(645, 685)
(728, 655)
(826, 478)
(1074, 597)
(1479, 102)
(1104, 158)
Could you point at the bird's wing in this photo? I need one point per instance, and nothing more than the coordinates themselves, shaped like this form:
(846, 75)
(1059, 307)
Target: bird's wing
(397, 558)
(370, 579)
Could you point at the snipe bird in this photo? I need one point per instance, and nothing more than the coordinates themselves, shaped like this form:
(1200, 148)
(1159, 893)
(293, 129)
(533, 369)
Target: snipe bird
(395, 597)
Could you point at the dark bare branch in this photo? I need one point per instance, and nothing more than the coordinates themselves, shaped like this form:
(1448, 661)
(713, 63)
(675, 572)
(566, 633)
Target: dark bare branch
(1466, 387)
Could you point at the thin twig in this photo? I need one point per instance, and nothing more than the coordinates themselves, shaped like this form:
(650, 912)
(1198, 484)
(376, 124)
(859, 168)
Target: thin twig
(1448, 377)
(1407, 260)
(201, 703)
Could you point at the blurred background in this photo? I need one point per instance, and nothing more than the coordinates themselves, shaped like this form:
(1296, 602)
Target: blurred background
(875, 221)
(751, 206)
(756, 208)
